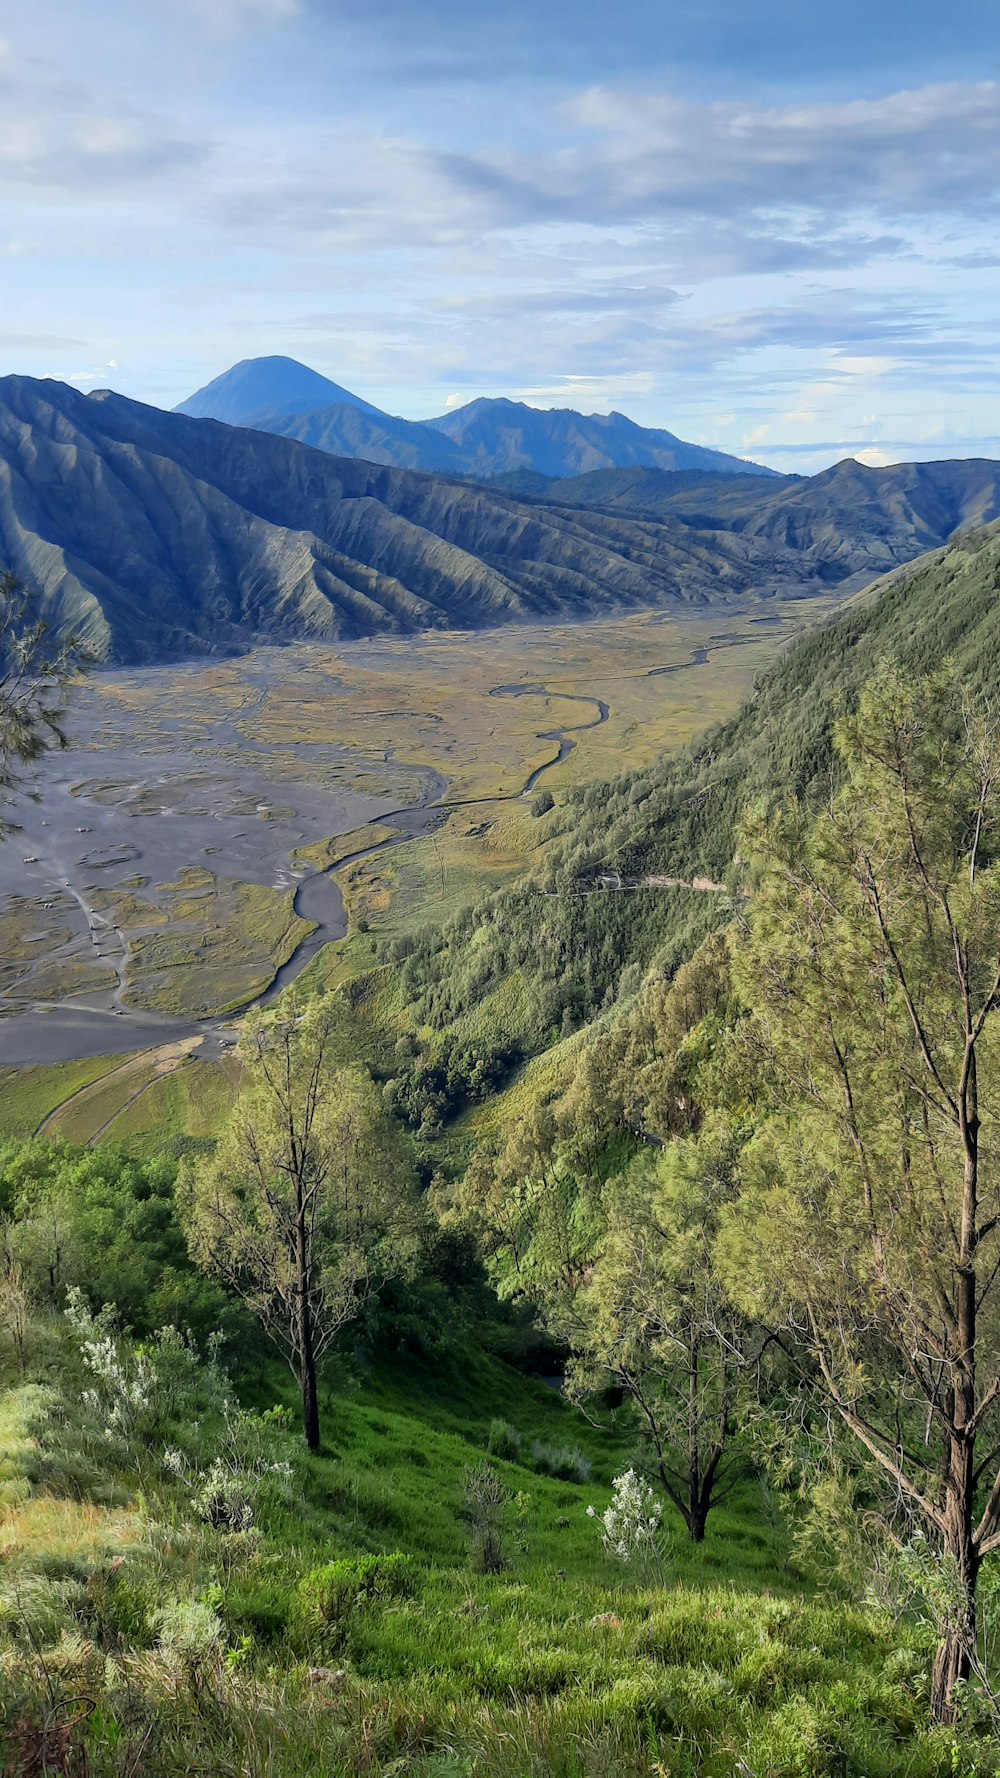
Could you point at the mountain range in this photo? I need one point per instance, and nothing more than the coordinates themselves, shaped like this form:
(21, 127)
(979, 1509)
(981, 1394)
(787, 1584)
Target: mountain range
(157, 535)
(485, 438)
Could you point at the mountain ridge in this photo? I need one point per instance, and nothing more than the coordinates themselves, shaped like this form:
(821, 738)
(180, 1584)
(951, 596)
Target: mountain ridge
(483, 438)
(157, 535)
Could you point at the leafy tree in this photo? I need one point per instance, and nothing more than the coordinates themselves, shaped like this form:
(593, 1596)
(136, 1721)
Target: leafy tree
(35, 669)
(872, 1214)
(105, 1221)
(307, 1205)
(653, 1319)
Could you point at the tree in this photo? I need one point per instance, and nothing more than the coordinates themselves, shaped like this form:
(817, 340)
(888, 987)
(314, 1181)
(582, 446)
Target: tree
(871, 1216)
(654, 1320)
(307, 1206)
(105, 1221)
(35, 670)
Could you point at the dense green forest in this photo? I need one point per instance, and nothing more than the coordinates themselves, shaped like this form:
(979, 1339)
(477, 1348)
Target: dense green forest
(578, 944)
(583, 1359)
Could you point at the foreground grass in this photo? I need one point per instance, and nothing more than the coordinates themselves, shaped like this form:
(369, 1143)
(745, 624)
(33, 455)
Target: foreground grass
(723, 1662)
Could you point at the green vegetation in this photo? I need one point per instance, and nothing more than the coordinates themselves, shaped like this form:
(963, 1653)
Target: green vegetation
(575, 940)
(185, 1587)
(718, 1162)
(221, 946)
(306, 1205)
(29, 1096)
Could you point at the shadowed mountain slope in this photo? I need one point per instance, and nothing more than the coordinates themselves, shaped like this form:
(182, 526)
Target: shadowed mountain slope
(347, 431)
(496, 436)
(154, 534)
(846, 520)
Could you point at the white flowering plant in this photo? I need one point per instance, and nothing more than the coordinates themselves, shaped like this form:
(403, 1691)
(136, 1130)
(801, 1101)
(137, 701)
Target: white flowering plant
(630, 1526)
(140, 1388)
(225, 1494)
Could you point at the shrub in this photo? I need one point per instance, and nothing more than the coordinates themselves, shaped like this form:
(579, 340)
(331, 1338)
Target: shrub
(489, 1509)
(331, 1595)
(630, 1526)
(225, 1495)
(567, 1465)
(504, 1441)
(138, 1389)
(190, 1629)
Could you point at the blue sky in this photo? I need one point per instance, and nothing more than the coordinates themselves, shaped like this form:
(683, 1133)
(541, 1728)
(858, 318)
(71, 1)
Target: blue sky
(774, 228)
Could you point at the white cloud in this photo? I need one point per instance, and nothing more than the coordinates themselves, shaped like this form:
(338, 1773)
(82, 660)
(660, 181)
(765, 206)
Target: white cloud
(577, 391)
(62, 139)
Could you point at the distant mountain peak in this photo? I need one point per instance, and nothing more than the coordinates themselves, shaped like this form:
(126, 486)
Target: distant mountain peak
(267, 387)
(488, 436)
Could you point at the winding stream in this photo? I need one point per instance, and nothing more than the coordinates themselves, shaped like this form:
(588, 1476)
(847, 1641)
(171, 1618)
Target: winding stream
(561, 735)
(48, 1032)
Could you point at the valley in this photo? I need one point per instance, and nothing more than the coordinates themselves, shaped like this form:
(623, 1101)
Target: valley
(213, 826)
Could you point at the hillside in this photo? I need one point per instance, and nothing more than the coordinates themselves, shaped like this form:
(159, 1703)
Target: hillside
(157, 535)
(496, 436)
(482, 439)
(572, 939)
(346, 430)
(844, 517)
(200, 1648)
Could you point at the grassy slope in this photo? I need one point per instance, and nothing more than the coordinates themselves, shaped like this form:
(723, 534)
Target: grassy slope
(565, 1664)
(29, 1095)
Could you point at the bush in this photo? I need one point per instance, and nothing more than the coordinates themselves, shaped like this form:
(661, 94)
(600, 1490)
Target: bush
(567, 1465)
(189, 1629)
(489, 1506)
(504, 1441)
(330, 1595)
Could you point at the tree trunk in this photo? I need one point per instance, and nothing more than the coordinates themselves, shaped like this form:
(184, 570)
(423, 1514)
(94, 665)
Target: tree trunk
(697, 1519)
(957, 1649)
(695, 1514)
(310, 1404)
(307, 1357)
(954, 1661)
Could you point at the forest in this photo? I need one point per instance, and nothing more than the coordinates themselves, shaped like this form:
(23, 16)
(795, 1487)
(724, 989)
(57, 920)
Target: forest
(577, 1351)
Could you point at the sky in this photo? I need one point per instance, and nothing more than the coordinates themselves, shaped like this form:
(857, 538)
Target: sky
(773, 228)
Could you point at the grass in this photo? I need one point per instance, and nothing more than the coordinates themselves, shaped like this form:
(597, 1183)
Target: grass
(723, 1662)
(424, 880)
(191, 1101)
(324, 854)
(221, 947)
(28, 1096)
